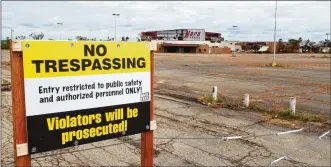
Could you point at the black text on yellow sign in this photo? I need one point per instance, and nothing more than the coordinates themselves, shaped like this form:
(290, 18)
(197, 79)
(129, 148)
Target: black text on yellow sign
(54, 59)
(67, 129)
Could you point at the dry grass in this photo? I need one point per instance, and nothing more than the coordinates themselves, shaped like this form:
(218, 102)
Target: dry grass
(5, 85)
(276, 111)
(276, 65)
(287, 114)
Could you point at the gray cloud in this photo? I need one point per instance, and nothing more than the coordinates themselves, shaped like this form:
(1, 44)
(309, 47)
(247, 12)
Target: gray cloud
(255, 20)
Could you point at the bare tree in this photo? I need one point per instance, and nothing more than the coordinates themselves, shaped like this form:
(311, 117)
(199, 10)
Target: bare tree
(300, 39)
(81, 38)
(109, 39)
(295, 44)
(281, 46)
(37, 36)
(20, 37)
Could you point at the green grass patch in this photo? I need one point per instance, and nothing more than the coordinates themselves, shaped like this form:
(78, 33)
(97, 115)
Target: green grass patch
(311, 117)
(276, 65)
(209, 99)
(306, 117)
(287, 114)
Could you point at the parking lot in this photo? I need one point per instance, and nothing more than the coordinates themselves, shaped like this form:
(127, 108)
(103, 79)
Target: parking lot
(190, 134)
(304, 76)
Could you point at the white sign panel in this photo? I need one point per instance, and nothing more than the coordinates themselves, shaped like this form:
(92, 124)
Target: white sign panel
(194, 35)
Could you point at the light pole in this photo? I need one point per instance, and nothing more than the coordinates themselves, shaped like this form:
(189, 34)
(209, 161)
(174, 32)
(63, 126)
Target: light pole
(60, 24)
(115, 14)
(274, 61)
(11, 34)
(235, 27)
(327, 36)
(231, 30)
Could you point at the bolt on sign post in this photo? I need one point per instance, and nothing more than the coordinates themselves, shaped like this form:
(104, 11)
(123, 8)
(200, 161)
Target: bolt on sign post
(81, 92)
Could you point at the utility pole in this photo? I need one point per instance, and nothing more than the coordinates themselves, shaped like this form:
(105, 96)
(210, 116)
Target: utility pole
(115, 14)
(11, 34)
(274, 61)
(236, 27)
(60, 24)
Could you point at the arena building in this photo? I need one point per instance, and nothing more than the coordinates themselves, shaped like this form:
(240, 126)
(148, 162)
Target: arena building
(182, 40)
(181, 35)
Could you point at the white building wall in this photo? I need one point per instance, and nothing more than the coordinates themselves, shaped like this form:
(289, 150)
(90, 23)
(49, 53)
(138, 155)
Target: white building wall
(224, 44)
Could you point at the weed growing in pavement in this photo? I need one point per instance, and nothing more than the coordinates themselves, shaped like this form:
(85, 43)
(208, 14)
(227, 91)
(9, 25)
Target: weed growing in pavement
(209, 99)
(311, 117)
(276, 65)
(287, 114)
(306, 117)
(255, 107)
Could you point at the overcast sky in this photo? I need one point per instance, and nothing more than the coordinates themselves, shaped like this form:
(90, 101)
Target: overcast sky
(255, 20)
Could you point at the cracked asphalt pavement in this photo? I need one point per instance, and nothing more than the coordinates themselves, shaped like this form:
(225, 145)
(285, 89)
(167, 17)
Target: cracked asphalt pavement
(179, 141)
(187, 134)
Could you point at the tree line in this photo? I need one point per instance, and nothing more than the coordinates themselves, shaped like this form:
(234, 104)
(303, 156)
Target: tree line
(83, 38)
(40, 36)
(294, 45)
(34, 36)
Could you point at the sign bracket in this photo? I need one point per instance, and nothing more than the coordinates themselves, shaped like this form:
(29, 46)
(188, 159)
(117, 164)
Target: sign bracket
(17, 45)
(153, 125)
(22, 149)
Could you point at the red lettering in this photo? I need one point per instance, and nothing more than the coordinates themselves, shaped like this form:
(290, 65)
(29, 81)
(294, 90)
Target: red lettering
(191, 34)
(199, 34)
(187, 34)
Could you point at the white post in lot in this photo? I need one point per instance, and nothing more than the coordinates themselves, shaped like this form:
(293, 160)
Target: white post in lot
(292, 104)
(246, 101)
(215, 93)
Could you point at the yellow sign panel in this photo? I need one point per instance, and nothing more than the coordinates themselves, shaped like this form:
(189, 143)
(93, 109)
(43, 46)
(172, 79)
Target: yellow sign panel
(43, 59)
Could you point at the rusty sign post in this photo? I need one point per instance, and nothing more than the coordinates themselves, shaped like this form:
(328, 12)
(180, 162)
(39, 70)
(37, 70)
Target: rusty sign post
(121, 115)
